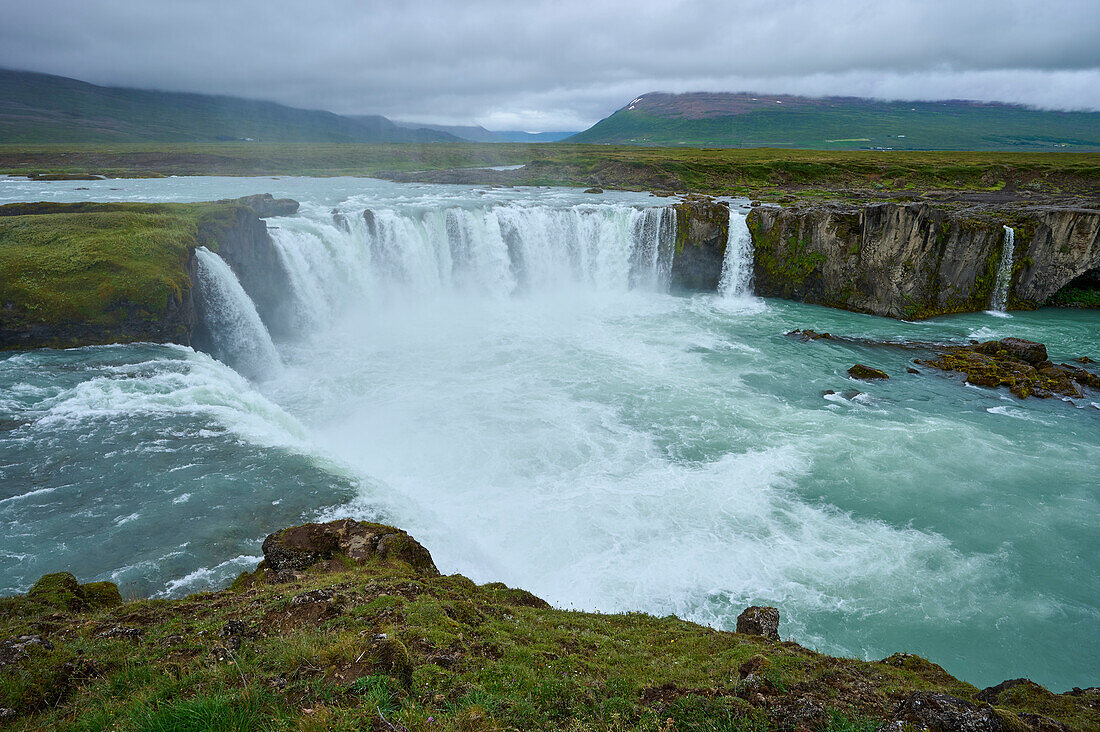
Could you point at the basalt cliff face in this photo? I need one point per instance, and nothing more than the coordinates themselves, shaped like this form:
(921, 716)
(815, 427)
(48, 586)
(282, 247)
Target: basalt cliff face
(901, 260)
(915, 260)
(702, 228)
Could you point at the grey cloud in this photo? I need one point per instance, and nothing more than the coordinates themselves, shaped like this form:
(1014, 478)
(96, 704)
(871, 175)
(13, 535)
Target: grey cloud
(544, 65)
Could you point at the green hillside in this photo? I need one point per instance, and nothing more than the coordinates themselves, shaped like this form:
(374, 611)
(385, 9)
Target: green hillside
(744, 120)
(39, 108)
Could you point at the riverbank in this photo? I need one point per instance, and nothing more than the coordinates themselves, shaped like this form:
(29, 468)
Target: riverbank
(771, 174)
(350, 625)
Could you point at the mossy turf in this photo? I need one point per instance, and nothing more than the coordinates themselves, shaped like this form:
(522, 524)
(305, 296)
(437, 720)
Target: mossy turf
(98, 263)
(713, 171)
(381, 647)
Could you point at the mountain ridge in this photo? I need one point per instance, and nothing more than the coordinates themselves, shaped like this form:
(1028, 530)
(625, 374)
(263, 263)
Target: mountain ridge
(749, 119)
(44, 108)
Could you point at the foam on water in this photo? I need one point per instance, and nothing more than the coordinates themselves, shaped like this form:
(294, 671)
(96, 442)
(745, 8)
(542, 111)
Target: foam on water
(736, 279)
(238, 335)
(503, 374)
(185, 382)
(1004, 273)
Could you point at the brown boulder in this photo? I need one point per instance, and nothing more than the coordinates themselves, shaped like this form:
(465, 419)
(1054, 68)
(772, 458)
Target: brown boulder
(762, 621)
(300, 547)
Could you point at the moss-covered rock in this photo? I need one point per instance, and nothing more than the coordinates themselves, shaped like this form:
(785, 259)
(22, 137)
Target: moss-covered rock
(59, 590)
(101, 594)
(62, 591)
(336, 543)
(866, 373)
(1017, 364)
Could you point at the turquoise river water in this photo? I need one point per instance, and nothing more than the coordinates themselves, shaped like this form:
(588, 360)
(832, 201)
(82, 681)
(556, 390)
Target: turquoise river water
(505, 374)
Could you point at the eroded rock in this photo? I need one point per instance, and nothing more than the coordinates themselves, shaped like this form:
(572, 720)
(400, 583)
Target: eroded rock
(358, 542)
(866, 373)
(759, 620)
(939, 712)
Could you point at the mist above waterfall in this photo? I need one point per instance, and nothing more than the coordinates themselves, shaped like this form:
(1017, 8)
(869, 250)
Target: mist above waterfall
(507, 375)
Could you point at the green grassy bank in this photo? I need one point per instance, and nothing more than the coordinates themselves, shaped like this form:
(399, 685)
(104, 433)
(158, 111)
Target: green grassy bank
(78, 273)
(385, 644)
(715, 171)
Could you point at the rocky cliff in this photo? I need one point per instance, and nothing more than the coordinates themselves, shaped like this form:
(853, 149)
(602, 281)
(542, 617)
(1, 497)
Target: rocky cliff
(80, 274)
(702, 228)
(904, 260)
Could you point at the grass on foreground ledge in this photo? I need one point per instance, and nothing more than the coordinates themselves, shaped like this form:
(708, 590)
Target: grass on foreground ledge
(382, 646)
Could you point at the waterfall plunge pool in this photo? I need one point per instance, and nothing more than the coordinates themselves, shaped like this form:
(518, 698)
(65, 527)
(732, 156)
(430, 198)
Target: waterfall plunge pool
(559, 421)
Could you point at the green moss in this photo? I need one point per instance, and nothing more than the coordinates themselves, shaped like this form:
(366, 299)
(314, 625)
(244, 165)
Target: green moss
(463, 655)
(99, 264)
(787, 262)
(1076, 297)
(101, 594)
(59, 590)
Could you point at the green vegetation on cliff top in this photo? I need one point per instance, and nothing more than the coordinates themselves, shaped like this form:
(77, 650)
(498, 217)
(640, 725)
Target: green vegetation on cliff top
(98, 263)
(715, 171)
(376, 644)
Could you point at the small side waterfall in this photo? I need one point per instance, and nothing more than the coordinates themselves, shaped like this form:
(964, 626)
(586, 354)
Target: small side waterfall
(238, 336)
(1004, 273)
(736, 279)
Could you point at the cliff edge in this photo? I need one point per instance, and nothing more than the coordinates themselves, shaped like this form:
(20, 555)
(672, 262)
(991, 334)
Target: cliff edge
(350, 625)
(77, 274)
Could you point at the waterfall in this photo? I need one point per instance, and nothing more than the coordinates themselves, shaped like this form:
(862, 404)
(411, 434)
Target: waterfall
(238, 336)
(1004, 273)
(736, 280)
(357, 257)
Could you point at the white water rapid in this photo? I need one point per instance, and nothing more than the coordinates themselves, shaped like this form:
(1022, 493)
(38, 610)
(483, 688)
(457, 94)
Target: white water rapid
(360, 257)
(736, 280)
(504, 373)
(238, 335)
(1004, 273)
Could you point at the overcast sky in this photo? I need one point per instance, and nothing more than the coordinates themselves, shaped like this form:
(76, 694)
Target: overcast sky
(562, 65)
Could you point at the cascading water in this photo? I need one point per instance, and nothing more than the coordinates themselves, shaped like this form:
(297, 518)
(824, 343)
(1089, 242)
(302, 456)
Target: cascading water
(477, 373)
(736, 280)
(1004, 273)
(494, 251)
(238, 336)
